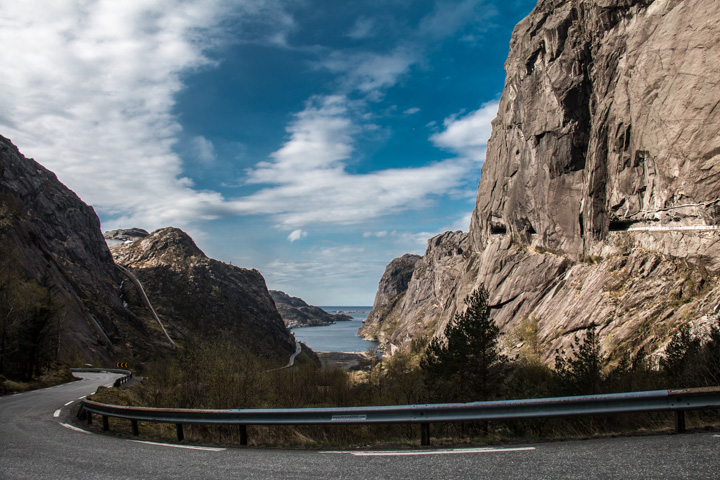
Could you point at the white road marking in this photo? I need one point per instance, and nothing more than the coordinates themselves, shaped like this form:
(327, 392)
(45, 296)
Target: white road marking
(662, 229)
(452, 451)
(81, 398)
(57, 413)
(189, 447)
(74, 428)
(68, 403)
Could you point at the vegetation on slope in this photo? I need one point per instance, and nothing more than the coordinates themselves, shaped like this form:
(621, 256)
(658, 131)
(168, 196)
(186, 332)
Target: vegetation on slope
(219, 374)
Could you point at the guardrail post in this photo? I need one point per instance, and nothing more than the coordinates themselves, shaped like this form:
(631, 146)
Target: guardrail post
(106, 423)
(179, 429)
(243, 434)
(134, 427)
(679, 421)
(425, 434)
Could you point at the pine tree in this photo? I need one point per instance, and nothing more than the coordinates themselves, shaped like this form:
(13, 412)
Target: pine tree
(468, 365)
(583, 373)
(711, 357)
(681, 362)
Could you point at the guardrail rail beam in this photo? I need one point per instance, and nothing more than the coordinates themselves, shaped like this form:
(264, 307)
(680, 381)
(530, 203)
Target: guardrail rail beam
(677, 401)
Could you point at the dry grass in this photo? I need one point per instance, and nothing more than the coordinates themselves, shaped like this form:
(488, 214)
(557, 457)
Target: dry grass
(54, 375)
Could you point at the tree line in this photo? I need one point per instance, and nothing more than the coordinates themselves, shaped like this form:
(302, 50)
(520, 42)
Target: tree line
(29, 324)
(471, 359)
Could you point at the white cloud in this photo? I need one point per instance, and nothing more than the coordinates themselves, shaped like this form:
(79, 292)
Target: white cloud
(91, 96)
(414, 242)
(370, 72)
(326, 276)
(363, 28)
(450, 17)
(307, 181)
(468, 134)
(297, 235)
(203, 150)
(411, 111)
(462, 223)
(320, 138)
(92, 93)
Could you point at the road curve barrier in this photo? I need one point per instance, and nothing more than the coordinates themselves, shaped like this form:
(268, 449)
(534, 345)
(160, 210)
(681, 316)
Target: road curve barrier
(677, 401)
(126, 374)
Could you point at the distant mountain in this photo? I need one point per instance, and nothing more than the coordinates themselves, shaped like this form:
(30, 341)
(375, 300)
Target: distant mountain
(199, 296)
(296, 313)
(115, 237)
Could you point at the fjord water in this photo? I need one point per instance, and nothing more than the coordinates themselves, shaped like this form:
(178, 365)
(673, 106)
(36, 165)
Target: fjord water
(339, 337)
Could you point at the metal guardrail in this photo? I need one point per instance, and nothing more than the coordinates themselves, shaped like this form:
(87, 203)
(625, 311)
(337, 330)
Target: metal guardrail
(677, 401)
(127, 374)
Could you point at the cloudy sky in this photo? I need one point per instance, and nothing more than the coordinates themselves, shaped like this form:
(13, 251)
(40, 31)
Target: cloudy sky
(314, 140)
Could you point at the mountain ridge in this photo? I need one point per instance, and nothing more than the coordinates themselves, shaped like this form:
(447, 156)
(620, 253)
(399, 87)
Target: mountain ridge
(199, 295)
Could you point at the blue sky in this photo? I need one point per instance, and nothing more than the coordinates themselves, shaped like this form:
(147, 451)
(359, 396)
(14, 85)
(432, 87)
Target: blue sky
(312, 140)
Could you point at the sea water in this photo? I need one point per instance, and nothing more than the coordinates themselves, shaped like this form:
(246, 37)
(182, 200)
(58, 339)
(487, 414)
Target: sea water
(340, 336)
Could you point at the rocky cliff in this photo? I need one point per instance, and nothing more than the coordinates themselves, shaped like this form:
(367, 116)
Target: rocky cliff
(295, 312)
(62, 296)
(59, 285)
(599, 198)
(199, 296)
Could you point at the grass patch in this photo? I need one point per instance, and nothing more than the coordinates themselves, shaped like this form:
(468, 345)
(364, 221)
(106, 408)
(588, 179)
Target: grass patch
(54, 375)
(10, 386)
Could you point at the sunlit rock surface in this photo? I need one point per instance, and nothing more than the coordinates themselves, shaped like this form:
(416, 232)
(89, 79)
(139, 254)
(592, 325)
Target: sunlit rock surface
(600, 195)
(202, 297)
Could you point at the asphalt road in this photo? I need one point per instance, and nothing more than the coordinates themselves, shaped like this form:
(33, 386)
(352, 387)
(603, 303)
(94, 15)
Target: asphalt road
(34, 444)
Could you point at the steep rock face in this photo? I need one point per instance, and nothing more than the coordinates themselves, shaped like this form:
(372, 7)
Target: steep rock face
(295, 312)
(401, 315)
(50, 237)
(197, 295)
(605, 123)
(598, 200)
(389, 298)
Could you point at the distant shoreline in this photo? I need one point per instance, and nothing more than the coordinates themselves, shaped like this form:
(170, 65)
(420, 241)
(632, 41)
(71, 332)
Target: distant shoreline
(349, 310)
(346, 360)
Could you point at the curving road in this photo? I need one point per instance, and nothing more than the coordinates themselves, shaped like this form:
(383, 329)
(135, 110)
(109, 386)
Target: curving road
(298, 349)
(35, 444)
